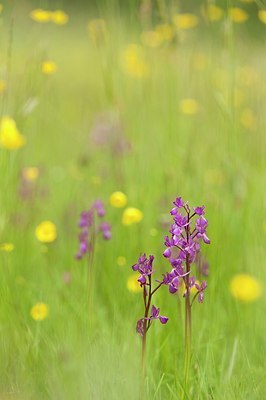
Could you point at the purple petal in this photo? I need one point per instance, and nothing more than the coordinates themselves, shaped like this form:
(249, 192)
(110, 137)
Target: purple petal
(167, 253)
(155, 312)
(142, 280)
(206, 239)
(201, 297)
(163, 319)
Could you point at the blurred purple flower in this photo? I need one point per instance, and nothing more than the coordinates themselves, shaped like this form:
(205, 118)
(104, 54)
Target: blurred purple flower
(88, 228)
(107, 130)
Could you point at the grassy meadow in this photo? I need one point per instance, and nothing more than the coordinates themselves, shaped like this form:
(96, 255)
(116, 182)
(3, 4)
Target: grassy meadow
(97, 100)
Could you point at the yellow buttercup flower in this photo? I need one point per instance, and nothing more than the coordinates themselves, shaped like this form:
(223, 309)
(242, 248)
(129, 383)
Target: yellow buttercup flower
(49, 67)
(8, 247)
(214, 13)
(151, 38)
(2, 86)
(189, 106)
(133, 61)
(40, 15)
(185, 21)
(30, 173)
(46, 232)
(39, 312)
(132, 215)
(118, 199)
(193, 289)
(59, 17)
(10, 137)
(262, 16)
(245, 288)
(121, 261)
(237, 15)
(133, 284)
(166, 31)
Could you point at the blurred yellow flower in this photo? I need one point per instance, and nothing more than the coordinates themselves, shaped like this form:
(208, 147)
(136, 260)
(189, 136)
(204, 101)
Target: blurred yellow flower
(10, 137)
(2, 86)
(1, 8)
(151, 38)
(8, 247)
(39, 312)
(131, 215)
(46, 232)
(30, 173)
(133, 284)
(185, 21)
(40, 15)
(118, 199)
(237, 15)
(248, 119)
(121, 261)
(166, 31)
(49, 67)
(262, 16)
(214, 13)
(97, 30)
(59, 17)
(133, 61)
(189, 106)
(245, 288)
(193, 289)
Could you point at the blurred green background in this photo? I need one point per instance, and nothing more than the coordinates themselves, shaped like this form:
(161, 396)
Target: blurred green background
(156, 108)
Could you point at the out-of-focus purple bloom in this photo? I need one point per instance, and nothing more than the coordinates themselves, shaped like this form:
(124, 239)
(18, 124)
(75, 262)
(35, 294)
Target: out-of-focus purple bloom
(201, 289)
(105, 227)
(202, 264)
(107, 132)
(140, 327)
(86, 219)
(99, 207)
(89, 229)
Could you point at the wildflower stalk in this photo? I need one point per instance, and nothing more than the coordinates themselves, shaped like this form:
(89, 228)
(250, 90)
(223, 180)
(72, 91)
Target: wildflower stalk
(182, 250)
(147, 305)
(188, 329)
(145, 268)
